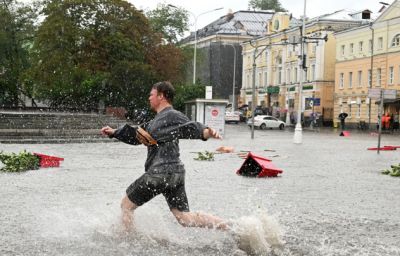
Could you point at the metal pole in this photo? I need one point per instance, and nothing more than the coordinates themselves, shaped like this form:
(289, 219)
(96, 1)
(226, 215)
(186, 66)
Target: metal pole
(372, 69)
(195, 49)
(297, 139)
(253, 93)
(195, 40)
(380, 121)
(195, 36)
(234, 76)
(234, 79)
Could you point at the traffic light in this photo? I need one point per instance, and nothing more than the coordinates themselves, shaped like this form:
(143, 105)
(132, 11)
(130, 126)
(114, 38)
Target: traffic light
(304, 61)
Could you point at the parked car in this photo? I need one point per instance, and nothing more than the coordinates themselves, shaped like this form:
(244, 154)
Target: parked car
(265, 121)
(232, 116)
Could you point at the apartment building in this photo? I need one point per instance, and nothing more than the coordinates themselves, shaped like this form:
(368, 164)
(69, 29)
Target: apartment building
(368, 57)
(277, 66)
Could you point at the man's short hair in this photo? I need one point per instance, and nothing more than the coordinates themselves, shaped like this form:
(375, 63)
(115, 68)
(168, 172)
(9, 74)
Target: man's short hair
(166, 89)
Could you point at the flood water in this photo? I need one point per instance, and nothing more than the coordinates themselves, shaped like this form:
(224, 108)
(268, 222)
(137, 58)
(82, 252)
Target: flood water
(330, 200)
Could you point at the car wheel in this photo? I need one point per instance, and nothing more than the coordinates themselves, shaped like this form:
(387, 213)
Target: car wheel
(263, 126)
(281, 126)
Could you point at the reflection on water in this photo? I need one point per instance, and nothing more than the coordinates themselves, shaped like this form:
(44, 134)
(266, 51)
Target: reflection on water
(330, 200)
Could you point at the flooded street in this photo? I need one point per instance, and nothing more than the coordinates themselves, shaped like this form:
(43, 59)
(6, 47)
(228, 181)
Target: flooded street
(331, 199)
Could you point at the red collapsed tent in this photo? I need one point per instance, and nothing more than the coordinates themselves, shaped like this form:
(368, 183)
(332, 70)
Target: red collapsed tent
(257, 166)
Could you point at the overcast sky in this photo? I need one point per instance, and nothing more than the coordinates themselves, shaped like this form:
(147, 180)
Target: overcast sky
(296, 7)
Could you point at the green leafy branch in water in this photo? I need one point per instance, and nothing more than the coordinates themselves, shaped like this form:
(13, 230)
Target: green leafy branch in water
(395, 171)
(206, 156)
(21, 162)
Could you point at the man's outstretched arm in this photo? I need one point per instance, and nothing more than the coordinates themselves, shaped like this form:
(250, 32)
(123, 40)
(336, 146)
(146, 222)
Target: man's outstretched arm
(125, 134)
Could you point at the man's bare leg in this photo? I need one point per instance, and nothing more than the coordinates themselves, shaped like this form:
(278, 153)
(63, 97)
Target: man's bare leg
(127, 208)
(201, 220)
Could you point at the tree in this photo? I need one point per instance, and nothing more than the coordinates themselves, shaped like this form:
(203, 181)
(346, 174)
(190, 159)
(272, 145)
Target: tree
(16, 33)
(91, 51)
(171, 22)
(266, 5)
(187, 92)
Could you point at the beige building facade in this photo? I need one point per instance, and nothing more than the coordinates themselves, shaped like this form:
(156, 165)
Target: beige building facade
(368, 57)
(277, 66)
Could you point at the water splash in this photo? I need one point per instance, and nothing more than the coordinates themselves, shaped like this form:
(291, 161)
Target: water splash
(258, 234)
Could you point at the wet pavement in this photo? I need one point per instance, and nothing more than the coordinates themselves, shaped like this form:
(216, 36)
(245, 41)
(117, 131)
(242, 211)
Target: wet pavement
(330, 200)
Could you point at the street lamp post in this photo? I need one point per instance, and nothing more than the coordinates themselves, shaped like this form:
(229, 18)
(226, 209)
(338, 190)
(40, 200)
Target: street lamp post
(234, 76)
(195, 39)
(298, 132)
(253, 92)
(195, 35)
(234, 79)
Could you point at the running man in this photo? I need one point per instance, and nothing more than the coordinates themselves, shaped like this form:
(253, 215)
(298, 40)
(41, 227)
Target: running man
(164, 171)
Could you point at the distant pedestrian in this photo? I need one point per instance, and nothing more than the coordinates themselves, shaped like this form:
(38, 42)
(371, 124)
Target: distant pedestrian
(342, 117)
(386, 121)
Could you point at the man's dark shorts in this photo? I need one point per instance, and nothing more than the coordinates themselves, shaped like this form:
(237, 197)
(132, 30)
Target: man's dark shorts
(149, 185)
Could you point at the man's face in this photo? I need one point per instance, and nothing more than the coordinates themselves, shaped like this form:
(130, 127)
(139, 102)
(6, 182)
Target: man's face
(155, 99)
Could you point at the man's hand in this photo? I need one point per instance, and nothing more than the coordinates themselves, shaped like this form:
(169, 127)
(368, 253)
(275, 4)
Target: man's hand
(108, 131)
(211, 133)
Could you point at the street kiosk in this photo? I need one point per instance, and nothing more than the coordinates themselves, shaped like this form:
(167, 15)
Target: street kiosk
(210, 112)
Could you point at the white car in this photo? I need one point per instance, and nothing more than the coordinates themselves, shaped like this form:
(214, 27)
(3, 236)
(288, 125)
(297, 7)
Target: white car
(264, 122)
(232, 116)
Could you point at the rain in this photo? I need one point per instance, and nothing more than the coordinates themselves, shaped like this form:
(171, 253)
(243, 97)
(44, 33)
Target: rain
(75, 78)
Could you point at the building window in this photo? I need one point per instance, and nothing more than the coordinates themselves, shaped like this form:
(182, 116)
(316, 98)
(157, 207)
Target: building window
(370, 45)
(360, 46)
(396, 40)
(248, 81)
(265, 78)
(391, 75)
(359, 78)
(351, 49)
(380, 43)
(349, 104)
(341, 80)
(369, 78)
(350, 79)
(314, 48)
(342, 48)
(295, 75)
(378, 77)
(288, 75)
(313, 72)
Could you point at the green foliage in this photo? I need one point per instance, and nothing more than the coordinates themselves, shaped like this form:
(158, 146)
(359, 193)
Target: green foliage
(21, 162)
(87, 51)
(169, 21)
(205, 156)
(16, 32)
(186, 93)
(266, 5)
(394, 171)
